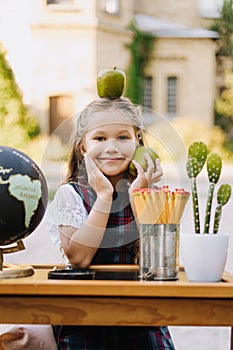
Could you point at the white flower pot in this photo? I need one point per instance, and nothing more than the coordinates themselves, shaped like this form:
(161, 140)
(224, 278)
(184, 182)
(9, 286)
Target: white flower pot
(204, 256)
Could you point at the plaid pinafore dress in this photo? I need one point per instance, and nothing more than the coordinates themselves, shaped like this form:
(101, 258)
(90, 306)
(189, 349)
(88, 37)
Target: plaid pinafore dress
(116, 248)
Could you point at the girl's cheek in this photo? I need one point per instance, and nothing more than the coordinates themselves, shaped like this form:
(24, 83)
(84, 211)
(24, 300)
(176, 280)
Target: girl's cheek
(132, 147)
(95, 150)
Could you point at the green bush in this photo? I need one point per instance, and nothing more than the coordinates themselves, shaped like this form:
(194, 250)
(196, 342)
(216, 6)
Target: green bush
(17, 124)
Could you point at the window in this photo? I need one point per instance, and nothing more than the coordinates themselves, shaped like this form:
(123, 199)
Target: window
(171, 96)
(60, 2)
(63, 5)
(112, 7)
(147, 92)
(61, 109)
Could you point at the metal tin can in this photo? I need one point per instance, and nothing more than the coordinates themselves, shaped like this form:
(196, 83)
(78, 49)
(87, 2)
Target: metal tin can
(159, 252)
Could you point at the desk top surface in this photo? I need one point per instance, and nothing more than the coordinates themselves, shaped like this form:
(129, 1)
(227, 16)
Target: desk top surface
(39, 285)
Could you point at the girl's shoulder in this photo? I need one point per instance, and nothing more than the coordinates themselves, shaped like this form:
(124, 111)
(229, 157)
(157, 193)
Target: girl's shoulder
(65, 202)
(67, 194)
(75, 193)
(65, 188)
(66, 185)
(70, 186)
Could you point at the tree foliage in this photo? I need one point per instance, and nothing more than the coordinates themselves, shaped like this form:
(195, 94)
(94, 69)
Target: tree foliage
(16, 123)
(224, 110)
(141, 49)
(224, 26)
(224, 104)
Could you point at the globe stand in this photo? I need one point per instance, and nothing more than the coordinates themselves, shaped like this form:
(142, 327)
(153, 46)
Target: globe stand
(12, 271)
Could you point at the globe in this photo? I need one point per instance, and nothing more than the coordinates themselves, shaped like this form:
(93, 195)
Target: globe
(23, 195)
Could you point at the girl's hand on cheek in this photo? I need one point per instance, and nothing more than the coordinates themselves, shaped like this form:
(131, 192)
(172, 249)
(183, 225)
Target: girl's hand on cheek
(158, 174)
(97, 180)
(146, 179)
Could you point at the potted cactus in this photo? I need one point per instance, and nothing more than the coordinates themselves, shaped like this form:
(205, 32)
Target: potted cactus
(203, 240)
(197, 157)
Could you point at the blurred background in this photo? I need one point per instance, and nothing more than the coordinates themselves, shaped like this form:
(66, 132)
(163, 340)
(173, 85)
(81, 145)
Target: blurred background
(178, 58)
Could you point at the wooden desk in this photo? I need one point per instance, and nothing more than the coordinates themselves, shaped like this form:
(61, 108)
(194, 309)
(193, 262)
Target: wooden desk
(37, 300)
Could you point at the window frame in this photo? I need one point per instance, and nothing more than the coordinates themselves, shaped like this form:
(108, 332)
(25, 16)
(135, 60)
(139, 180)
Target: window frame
(147, 92)
(62, 5)
(172, 92)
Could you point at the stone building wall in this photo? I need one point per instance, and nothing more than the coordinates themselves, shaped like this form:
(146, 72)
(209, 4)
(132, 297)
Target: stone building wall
(59, 50)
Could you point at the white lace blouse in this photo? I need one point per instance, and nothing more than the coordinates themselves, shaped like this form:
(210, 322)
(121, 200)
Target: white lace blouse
(66, 209)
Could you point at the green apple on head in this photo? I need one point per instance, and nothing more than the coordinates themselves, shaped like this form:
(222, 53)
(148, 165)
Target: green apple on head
(139, 157)
(111, 83)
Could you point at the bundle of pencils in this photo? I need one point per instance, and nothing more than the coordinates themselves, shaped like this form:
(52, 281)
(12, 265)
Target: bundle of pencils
(160, 205)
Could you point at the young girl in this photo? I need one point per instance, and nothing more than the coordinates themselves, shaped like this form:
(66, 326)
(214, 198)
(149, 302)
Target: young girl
(94, 214)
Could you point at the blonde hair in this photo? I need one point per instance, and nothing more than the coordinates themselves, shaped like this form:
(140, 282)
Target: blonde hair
(124, 105)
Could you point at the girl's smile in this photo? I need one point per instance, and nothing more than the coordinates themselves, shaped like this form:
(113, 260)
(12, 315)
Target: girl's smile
(110, 159)
(105, 162)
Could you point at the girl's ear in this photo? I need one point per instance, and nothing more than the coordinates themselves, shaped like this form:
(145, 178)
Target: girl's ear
(81, 148)
(140, 139)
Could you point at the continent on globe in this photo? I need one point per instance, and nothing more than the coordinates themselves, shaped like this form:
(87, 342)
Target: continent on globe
(23, 195)
(26, 190)
(5, 171)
